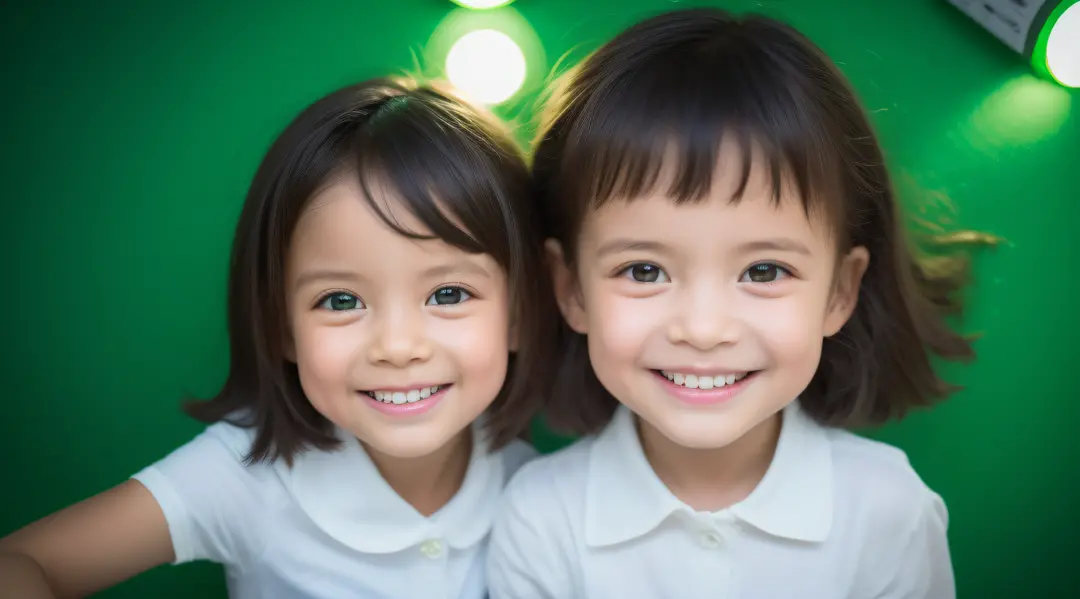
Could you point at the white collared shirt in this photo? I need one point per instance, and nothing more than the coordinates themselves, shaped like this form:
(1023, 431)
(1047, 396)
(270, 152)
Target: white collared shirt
(837, 516)
(330, 527)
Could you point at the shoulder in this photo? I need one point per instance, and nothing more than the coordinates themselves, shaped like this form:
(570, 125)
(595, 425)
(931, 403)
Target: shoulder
(220, 442)
(213, 462)
(894, 525)
(207, 493)
(533, 544)
(877, 486)
(235, 439)
(551, 486)
(516, 454)
(542, 513)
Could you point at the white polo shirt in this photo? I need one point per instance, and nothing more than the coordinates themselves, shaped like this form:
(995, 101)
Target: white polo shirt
(328, 528)
(837, 516)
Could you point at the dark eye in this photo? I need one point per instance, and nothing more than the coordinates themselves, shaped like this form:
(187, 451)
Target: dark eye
(341, 302)
(766, 272)
(644, 272)
(448, 296)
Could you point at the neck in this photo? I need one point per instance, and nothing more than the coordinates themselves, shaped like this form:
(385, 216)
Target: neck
(712, 479)
(427, 482)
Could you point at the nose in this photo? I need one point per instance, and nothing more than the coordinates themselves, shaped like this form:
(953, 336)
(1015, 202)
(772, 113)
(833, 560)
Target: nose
(399, 338)
(706, 317)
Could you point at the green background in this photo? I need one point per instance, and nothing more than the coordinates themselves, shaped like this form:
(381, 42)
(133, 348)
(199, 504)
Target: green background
(130, 133)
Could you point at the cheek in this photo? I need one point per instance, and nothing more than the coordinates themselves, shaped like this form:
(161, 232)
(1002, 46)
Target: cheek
(324, 359)
(478, 346)
(619, 326)
(792, 328)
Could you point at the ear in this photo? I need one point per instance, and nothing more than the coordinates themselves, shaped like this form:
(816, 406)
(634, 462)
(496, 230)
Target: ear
(567, 292)
(845, 295)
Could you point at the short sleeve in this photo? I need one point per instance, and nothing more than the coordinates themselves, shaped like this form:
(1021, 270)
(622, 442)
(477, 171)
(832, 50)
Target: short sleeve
(922, 567)
(205, 492)
(525, 560)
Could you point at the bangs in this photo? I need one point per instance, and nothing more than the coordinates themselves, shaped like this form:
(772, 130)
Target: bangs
(667, 118)
(446, 167)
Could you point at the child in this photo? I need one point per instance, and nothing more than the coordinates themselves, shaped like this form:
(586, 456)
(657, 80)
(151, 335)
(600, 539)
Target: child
(383, 274)
(725, 241)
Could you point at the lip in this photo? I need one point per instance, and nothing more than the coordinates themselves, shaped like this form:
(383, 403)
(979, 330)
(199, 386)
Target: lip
(406, 409)
(707, 371)
(703, 397)
(409, 388)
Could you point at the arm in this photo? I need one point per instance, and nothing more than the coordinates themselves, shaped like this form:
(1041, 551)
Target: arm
(196, 503)
(922, 568)
(89, 546)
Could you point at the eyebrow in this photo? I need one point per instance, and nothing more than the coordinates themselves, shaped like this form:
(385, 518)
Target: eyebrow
(778, 244)
(442, 270)
(313, 276)
(460, 267)
(629, 245)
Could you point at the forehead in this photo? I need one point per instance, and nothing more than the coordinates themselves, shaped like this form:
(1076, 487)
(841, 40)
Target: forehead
(717, 218)
(339, 227)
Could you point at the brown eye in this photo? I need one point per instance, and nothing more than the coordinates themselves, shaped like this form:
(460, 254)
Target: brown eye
(766, 272)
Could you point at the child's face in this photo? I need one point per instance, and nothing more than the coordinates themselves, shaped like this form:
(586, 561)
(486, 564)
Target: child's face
(699, 295)
(403, 343)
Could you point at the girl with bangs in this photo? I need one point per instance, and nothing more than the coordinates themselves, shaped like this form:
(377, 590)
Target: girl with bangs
(731, 265)
(386, 330)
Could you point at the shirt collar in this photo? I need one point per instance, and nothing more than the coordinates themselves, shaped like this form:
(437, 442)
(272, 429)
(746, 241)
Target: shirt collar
(625, 499)
(342, 492)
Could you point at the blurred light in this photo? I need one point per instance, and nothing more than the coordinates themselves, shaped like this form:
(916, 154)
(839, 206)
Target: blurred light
(1063, 48)
(487, 65)
(1025, 110)
(492, 56)
(482, 4)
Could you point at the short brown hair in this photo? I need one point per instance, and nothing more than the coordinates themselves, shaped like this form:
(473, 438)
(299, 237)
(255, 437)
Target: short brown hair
(670, 88)
(456, 169)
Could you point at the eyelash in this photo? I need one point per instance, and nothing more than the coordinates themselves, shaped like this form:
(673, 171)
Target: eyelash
(469, 293)
(782, 272)
(325, 297)
(627, 272)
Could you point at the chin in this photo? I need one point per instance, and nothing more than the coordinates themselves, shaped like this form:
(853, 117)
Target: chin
(405, 446)
(698, 431)
(698, 437)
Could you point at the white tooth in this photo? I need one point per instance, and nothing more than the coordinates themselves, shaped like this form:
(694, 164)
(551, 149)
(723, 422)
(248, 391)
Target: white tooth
(705, 382)
(379, 395)
(425, 392)
(398, 397)
(669, 376)
(719, 381)
(413, 396)
(691, 381)
(678, 379)
(731, 379)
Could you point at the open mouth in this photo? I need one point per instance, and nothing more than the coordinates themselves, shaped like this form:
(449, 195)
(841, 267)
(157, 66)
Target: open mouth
(705, 382)
(405, 396)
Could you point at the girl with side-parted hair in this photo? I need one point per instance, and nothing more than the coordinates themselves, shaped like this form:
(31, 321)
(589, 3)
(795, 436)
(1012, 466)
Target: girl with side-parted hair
(386, 328)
